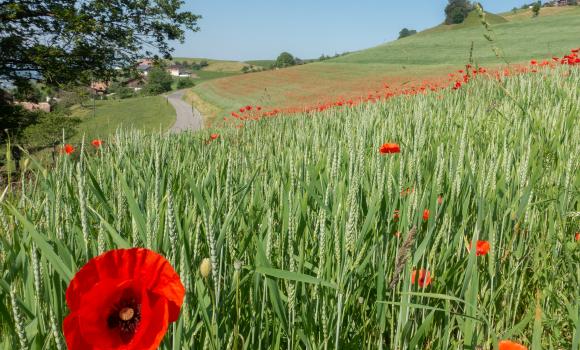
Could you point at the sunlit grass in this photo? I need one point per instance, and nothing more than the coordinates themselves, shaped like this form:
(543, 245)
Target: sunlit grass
(297, 217)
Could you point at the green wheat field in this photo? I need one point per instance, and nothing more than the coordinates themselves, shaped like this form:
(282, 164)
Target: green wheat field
(297, 216)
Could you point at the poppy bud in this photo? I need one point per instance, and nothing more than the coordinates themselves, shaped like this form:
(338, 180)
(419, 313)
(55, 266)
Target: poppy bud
(205, 268)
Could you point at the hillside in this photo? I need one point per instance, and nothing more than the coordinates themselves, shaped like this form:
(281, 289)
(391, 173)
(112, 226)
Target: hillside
(148, 113)
(460, 235)
(428, 55)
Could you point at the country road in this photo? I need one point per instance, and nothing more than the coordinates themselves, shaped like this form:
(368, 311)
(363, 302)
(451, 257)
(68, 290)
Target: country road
(187, 117)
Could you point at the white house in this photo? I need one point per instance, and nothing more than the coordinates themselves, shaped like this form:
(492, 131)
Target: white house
(174, 70)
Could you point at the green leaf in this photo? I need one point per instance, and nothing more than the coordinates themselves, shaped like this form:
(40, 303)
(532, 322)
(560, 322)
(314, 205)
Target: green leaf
(64, 272)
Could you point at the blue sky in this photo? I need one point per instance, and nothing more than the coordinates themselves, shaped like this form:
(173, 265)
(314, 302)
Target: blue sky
(261, 29)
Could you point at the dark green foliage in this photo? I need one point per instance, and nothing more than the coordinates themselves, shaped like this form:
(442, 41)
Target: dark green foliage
(536, 9)
(456, 11)
(120, 90)
(48, 130)
(406, 32)
(183, 83)
(285, 60)
(158, 81)
(29, 92)
(14, 120)
(62, 41)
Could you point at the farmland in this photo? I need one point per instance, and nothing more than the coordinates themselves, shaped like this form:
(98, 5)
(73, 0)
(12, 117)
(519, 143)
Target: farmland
(428, 55)
(317, 240)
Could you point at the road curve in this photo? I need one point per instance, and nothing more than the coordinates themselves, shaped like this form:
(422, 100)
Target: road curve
(187, 117)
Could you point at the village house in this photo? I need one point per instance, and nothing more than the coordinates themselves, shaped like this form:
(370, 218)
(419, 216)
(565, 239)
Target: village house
(99, 87)
(174, 70)
(560, 2)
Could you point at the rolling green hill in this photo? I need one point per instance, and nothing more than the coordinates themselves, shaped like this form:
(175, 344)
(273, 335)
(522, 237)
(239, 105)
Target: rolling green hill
(430, 54)
(519, 41)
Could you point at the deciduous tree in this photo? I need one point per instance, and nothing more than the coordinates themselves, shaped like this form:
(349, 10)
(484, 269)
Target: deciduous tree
(60, 41)
(285, 60)
(457, 10)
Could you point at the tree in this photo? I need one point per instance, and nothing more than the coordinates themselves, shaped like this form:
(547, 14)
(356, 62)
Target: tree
(536, 9)
(61, 41)
(158, 81)
(406, 32)
(456, 11)
(285, 60)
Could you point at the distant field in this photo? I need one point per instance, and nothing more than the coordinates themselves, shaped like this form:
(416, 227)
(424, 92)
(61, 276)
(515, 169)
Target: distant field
(262, 63)
(523, 14)
(423, 56)
(215, 65)
(311, 83)
(143, 113)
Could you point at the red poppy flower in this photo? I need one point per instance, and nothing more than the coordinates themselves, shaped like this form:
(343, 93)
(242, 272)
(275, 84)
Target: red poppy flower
(424, 278)
(396, 216)
(69, 149)
(510, 345)
(577, 236)
(533, 62)
(97, 143)
(248, 108)
(425, 214)
(214, 136)
(122, 299)
(481, 248)
(259, 108)
(390, 148)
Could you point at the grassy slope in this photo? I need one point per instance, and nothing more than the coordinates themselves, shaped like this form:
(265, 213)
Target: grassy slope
(143, 113)
(519, 40)
(422, 56)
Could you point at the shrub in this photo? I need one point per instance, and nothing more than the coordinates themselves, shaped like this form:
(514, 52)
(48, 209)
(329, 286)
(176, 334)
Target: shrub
(406, 32)
(121, 91)
(48, 130)
(183, 83)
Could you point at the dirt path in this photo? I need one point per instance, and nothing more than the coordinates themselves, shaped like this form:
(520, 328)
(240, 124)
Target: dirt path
(187, 117)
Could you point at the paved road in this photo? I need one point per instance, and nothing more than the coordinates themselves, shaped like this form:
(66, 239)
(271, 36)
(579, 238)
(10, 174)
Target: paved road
(188, 118)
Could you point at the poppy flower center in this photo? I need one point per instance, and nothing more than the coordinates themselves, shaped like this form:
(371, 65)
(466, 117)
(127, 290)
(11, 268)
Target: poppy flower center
(126, 314)
(125, 317)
